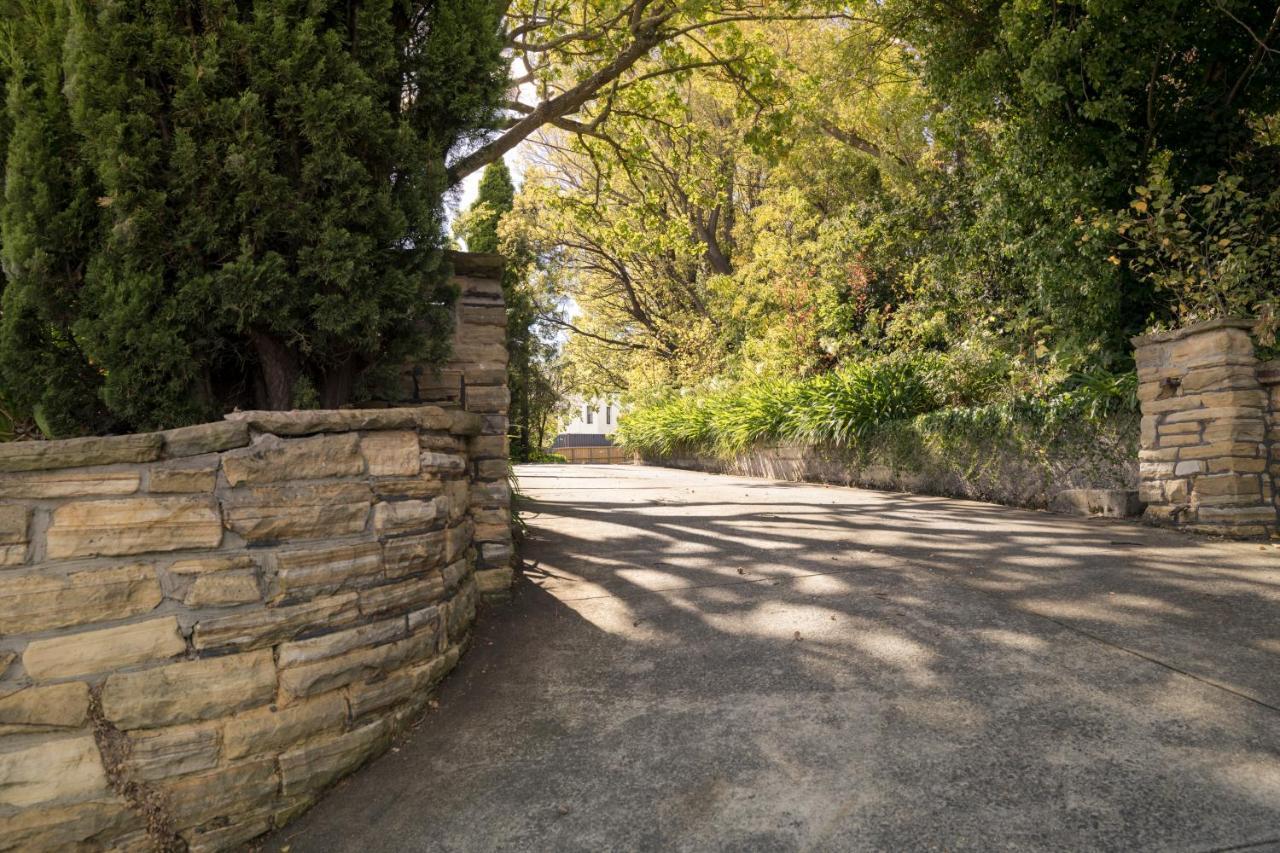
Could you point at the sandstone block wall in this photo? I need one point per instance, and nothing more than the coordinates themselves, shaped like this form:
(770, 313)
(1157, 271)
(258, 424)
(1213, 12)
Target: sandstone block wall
(475, 379)
(1210, 457)
(202, 628)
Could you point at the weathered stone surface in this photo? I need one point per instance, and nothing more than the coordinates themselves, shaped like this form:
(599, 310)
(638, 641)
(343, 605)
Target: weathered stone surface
(1236, 465)
(493, 398)
(196, 800)
(421, 487)
(52, 706)
(457, 540)
(427, 618)
(79, 452)
(1235, 430)
(324, 569)
(14, 519)
(133, 526)
(461, 612)
(321, 676)
(271, 459)
(217, 837)
(68, 484)
(61, 768)
(366, 698)
(104, 650)
(173, 751)
(408, 595)
(441, 442)
(412, 554)
(1218, 378)
(1108, 503)
(281, 513)
(404, 516)
(489, 447)
(454, 573)
(1219, 448)
(1180, 429)
(40, 602)
(1227, 412)
(443, 463)
(1227, 484)
(205, 438)
(1240, 514)
(343, 420)
(500, 553)
(266, 626)
(91, 825)
(495, 494)
(223, 589)
(339, 642)
(311, 767)
(466, 423)
(268, 730)
(491, 581)
(198, 476)
(189, 691)
(493, 532)
(491, 469)
(502, 516)
(1183, 469)
(391, 453)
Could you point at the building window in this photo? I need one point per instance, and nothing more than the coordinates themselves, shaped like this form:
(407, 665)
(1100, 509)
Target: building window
(608, 413)
(591, 415)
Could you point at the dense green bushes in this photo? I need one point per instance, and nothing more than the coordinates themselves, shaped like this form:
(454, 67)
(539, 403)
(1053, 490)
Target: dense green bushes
(846, 408)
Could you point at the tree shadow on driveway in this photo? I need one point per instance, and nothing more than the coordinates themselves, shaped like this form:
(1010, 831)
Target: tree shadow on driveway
(698, 662)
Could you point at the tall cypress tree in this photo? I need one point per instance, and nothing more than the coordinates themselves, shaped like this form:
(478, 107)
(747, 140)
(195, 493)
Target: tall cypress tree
(480, 228)
(268, 176)
(495, 197)
(49, 224)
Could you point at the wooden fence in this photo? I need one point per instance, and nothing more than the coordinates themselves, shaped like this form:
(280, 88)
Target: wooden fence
(596, 455)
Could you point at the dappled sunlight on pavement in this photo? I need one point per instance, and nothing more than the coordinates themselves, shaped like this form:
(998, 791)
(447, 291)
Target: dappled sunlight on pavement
(700, 662)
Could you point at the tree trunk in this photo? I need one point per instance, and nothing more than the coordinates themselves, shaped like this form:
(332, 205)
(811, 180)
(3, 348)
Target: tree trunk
(339, 384)
(279, 370)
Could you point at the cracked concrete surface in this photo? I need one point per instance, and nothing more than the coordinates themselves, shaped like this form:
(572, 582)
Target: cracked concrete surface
(698, 662)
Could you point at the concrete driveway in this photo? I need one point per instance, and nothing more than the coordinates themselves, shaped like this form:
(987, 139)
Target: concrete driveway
(697, 662)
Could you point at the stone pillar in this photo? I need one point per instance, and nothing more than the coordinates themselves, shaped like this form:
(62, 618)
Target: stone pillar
(1204, 459)
(475, 378)
(1269, 376)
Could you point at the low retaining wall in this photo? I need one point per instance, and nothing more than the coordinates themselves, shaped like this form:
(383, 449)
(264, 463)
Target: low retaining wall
(1077, 469)
(1210, 430)
(202, 628)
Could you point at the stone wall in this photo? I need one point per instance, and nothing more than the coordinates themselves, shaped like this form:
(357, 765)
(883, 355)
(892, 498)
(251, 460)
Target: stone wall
(1210, 457)
(475, 379)
(202, 628)
(1073, 467)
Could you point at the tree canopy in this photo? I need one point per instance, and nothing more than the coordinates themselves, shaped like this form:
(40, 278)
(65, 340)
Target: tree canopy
(1023, 185)
(228, 203)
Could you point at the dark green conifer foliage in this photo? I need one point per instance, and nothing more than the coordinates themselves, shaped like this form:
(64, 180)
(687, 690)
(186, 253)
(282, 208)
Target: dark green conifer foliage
(49, 225)
(268, 177)
(480, 229)
(495, 198)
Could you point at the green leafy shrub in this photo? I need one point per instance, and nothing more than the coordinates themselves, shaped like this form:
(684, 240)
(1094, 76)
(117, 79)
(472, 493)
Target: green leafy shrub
(1214, 248)
(835, 407)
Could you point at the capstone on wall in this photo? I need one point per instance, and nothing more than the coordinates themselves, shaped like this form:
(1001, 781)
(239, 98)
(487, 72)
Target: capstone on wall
(202, 628)
(1210, 457)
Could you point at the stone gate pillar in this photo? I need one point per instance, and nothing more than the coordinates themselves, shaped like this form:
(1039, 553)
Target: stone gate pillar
(475, 379)
(1207, 425)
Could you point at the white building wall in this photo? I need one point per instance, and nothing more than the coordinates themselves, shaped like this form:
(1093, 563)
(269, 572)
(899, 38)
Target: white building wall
(593, 417)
